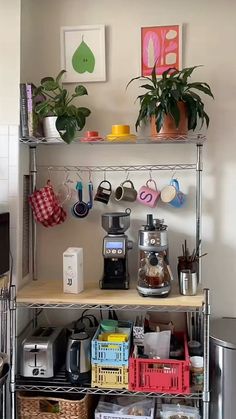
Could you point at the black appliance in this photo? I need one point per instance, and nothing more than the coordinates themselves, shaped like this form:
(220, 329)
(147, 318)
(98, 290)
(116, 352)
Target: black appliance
(4, 242)
(115, 250)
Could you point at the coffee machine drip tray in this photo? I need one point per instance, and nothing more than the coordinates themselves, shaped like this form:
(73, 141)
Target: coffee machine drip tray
(162, 291)
(115, 275)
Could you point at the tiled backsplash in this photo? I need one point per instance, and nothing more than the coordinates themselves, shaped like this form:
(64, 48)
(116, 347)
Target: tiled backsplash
(9, 169)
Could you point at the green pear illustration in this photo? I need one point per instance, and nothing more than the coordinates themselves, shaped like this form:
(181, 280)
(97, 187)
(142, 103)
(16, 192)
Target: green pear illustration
(83, 59)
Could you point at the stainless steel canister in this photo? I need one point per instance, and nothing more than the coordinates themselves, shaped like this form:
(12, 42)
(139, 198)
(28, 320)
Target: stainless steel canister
(188, 282)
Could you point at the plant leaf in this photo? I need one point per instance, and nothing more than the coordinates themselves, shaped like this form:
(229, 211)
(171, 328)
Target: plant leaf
(49, 85)
(154, 77)
(85, 111)
(138, 78)
(80, 121)
(59, 76)
(174, 111)
(148, 87)
(66, 127)
(45, 79)
(203, 87)
(80, 90)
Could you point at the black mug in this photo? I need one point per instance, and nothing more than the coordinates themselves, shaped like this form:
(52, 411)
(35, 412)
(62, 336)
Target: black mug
(103, 192)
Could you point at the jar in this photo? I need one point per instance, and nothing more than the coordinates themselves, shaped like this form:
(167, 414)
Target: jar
(197, 372)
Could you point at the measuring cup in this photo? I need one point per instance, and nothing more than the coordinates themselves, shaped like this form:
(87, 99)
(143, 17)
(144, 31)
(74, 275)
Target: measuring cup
(80, 209)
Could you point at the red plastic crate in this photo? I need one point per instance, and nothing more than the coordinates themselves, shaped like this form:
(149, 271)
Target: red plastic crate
(161, 375)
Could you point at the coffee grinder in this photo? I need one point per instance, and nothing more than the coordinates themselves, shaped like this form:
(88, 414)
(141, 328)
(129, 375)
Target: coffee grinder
(115, 250)
(154, 274)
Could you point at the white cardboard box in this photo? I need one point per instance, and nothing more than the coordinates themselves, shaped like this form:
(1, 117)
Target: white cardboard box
(73, 277)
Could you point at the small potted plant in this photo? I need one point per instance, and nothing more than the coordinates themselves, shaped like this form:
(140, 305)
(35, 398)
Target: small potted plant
(57, 111)
(172, 102)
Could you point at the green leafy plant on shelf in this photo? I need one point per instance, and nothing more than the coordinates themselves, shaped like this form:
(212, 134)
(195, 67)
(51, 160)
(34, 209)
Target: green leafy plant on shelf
(57, 102)
(163, 97)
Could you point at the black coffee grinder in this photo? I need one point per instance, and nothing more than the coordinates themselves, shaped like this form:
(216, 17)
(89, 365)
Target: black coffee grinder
(115, 250)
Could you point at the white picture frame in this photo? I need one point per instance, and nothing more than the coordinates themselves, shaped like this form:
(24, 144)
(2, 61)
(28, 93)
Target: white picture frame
(83, 53)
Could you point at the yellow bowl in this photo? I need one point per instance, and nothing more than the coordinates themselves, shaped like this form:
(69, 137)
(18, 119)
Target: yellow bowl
(120, 133)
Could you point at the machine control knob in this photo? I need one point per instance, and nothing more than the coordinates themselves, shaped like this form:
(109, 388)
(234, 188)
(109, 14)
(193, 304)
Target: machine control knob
(153, 260)
(113, 251)
(152, 241)
(35, 371)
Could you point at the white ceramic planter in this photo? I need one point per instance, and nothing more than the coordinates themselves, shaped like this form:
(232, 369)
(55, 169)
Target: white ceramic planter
(49, 129)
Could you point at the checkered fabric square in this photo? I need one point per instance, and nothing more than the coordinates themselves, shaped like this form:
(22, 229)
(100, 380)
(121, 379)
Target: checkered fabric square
(46, 207)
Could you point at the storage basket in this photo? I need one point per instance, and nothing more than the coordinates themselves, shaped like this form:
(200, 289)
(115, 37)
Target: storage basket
(111, 353)
(30, 407)
(161, 375)
(99, 414)
(109, 377)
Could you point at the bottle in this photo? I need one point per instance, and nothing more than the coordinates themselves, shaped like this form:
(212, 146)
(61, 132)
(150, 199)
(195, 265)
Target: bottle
(197, 371)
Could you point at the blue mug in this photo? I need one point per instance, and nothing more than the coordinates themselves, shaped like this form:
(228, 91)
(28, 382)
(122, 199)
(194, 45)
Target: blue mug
(172, 195)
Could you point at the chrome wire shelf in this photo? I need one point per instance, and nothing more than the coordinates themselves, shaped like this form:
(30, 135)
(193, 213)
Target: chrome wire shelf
(133, 168)
(118, 307)
(160, 139)
(59, 384)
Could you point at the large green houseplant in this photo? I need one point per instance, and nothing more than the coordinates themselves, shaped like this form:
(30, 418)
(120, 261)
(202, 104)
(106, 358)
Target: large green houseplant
(57, 102)
(166, 99)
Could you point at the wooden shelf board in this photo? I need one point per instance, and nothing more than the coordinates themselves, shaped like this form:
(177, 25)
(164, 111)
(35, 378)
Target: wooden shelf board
(51, 292)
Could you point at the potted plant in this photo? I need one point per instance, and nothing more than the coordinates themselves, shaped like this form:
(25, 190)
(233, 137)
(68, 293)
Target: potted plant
(172, 102)
(56, 109)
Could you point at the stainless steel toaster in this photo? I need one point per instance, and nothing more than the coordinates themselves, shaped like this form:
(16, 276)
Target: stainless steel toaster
(43, 352)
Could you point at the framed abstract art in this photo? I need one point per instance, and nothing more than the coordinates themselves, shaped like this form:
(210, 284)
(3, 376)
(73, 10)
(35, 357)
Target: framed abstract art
(161, 45)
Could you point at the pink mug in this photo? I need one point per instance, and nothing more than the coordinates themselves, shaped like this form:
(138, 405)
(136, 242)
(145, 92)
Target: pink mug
(147, 195)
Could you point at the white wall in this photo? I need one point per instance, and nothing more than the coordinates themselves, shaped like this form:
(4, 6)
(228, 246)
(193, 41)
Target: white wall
(10, 60)
(9, 116)
(208, 39)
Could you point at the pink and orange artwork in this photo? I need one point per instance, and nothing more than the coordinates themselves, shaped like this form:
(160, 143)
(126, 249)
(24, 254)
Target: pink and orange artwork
(161, 45)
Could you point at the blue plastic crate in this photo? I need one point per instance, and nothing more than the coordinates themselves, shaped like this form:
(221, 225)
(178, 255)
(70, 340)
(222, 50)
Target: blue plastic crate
(111, 353)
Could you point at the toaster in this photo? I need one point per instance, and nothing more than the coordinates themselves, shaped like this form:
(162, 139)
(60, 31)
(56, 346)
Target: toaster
(43, 352)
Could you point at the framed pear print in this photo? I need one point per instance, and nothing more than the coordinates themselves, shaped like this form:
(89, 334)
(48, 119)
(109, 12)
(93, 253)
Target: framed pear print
(83, 53)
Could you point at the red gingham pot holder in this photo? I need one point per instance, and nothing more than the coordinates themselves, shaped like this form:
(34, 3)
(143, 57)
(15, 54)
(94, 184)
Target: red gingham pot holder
(46, 207)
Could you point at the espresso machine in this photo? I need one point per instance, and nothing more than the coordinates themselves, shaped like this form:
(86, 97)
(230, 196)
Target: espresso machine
(154, 274)
(115, 250)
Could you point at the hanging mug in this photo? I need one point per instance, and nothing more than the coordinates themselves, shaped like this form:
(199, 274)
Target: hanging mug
(124, 193)
(147, 195)
(103, 192)
(172, 195)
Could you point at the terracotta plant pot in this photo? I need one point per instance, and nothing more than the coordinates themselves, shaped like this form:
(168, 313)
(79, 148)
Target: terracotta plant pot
(169, 128)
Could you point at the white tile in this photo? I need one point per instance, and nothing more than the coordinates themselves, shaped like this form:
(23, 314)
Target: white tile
(13, 181)
(14, 130)
(13, 150)
(3, 145)
(3, 129)
(3, 168)
(13, 202)
(3, 191)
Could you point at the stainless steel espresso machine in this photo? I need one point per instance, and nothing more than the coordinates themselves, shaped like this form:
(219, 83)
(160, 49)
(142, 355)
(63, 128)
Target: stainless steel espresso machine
(115, 250)
(154, 274)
